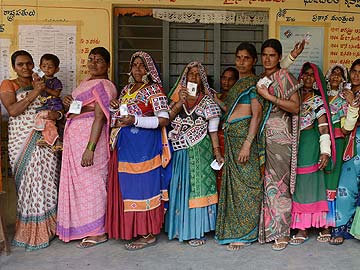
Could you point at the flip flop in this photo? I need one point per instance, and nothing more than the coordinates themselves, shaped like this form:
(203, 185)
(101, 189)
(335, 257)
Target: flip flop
(276, 246)
(323, 238)
(197, 242)
(333, 241)
(132, 246)
(89, 241)
(294, 237)
(237, 247)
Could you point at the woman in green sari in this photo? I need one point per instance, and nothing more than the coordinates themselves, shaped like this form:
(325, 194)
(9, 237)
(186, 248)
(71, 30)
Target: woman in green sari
(241, 187)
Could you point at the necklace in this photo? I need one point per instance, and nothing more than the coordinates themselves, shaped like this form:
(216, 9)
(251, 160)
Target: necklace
(192, 109)
(332, 93)
(137, 90)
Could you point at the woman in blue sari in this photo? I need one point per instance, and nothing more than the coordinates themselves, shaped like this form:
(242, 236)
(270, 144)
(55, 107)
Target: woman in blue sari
(347, 197)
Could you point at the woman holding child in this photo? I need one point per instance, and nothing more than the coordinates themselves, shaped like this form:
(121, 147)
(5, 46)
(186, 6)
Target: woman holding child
(35, 168)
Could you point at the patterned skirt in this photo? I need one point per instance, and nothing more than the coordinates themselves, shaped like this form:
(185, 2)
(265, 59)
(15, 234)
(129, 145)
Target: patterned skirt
(310, 206)
(184, 221)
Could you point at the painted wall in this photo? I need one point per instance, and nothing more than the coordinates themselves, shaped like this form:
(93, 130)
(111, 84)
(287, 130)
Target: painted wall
(93, 20)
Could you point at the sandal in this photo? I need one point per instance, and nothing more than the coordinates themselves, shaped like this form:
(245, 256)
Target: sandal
(336, 241)
(197, 242)
(279, 245)
(236, 246)
(86, 242)
(298, 240)
(141, 243)
(324, 236)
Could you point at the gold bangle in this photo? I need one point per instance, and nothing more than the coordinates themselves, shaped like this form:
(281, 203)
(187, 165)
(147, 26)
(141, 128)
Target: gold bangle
(91, 146)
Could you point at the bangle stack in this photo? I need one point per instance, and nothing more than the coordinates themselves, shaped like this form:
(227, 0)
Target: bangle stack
(91, 146)
(250, 138)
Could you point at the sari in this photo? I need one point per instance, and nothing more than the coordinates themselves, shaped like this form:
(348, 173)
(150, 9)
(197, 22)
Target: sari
(241, 186)
(36, 172)
(139, 168)
(193, 193)
(347, 202)
(281, 133)
(310, 207)
(338, 108)
(82, 191)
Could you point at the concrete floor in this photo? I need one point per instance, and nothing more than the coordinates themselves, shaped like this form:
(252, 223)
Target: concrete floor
(174, 255)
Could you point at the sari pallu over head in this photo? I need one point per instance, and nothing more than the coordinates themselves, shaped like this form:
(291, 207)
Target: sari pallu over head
(321, 85)
(144, 154)
(182, 80)
(149, 100)
(350, 145)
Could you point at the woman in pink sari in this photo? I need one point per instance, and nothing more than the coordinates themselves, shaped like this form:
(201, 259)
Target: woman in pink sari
(82, 193)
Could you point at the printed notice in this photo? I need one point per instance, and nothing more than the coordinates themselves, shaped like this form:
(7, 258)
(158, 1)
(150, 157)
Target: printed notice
(56, 39)
(314, 48)
(5, 58)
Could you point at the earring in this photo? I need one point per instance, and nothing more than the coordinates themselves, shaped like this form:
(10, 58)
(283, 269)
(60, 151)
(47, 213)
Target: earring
(145, 78)
(328, 87)
(341, 85)
(315, 86)
(131, 79)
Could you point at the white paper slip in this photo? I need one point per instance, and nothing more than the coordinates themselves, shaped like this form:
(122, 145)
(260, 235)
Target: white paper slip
(191, 88)
(265, 81)
(75, 107)
(123, 110)
(216, 166)
(38, 71)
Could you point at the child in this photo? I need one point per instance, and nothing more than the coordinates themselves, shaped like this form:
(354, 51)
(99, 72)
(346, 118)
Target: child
(50, 97)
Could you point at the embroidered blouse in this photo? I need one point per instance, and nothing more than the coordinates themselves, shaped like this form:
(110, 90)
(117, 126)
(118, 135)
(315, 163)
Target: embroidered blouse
(148, 101)
(190, 127)
(311, 109)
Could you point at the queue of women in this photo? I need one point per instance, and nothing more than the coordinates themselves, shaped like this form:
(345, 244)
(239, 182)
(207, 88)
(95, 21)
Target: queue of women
(135, 162)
